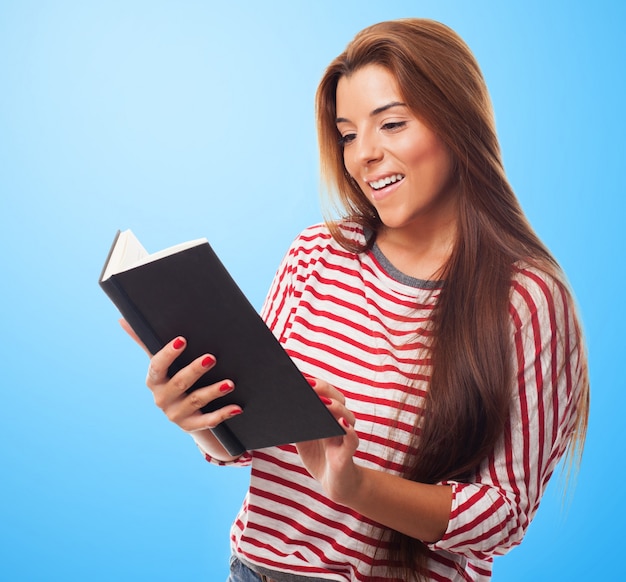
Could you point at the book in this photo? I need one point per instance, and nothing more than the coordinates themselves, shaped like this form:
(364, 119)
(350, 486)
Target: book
(186, 290)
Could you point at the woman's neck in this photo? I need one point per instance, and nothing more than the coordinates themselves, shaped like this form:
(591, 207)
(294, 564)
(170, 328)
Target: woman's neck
(422, 253)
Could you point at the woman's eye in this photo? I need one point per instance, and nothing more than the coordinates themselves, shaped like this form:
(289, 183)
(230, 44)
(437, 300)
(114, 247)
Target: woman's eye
(346, 139)
(390, 126)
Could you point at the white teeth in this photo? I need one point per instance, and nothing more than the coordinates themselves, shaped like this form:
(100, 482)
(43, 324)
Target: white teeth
(378, 184)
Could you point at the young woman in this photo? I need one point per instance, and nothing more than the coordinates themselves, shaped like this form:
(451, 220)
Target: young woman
(432, 322)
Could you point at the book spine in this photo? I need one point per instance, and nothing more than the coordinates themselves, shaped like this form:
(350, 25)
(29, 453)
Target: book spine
(151, 340)
(228, 440)
(132, 315)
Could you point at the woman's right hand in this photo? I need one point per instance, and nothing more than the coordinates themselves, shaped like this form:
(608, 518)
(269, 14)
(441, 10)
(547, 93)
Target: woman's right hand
(181, 407)
(171, 396)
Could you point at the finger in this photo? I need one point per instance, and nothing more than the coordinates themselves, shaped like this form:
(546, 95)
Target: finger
(167, 391)
(340, 450)
(351, 437)
(202, 397)
(338, 410)
(188, 405)
(188, 414)
(209, 420)
(324, 389)
(163, 359)
(186, 377)
(333, 399)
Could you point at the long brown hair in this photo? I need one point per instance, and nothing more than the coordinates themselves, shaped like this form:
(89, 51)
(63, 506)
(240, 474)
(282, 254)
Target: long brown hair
(469, 394)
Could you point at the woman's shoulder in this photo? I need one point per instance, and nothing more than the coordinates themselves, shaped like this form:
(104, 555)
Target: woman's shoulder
(539, 290)
(319, 236)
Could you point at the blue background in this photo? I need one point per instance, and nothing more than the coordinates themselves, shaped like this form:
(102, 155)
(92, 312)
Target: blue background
(188, 119)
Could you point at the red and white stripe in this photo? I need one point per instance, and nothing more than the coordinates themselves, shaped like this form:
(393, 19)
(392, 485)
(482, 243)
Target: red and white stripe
(344, 319)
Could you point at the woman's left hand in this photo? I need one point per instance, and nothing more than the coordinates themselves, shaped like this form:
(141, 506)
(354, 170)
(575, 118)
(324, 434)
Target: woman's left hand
(417, 509)
(330, 461)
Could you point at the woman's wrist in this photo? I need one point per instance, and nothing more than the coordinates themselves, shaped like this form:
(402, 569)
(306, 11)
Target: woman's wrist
(353, 490)
(209, 445)
(415, 509)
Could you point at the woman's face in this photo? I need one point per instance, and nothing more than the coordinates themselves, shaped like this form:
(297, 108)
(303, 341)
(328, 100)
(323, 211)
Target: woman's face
(401, 166)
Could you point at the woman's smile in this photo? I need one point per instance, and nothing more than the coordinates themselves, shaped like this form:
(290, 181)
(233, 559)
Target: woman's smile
(381, 187)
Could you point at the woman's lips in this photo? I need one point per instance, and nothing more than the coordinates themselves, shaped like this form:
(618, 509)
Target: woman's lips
(384, 189)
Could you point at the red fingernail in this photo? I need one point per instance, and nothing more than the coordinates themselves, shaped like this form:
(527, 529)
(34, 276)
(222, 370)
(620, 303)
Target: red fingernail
(236, 412)
(208, 361)
(326, 401)
(178, 343)
(345, 422)
(311, 381)
(225, 387)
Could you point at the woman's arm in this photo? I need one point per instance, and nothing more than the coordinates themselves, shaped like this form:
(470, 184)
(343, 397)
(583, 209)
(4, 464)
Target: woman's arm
(415, 509)
(489, 515)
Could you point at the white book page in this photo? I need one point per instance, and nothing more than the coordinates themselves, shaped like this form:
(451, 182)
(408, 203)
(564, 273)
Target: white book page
(129, 253)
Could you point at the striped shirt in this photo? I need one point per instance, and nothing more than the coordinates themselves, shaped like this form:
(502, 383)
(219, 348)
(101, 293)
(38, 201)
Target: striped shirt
(356, 322)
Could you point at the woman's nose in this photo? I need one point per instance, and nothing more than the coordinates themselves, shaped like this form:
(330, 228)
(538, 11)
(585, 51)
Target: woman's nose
(368, 149)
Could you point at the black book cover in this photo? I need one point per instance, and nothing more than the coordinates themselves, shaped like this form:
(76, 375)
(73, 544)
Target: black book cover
(190, 293)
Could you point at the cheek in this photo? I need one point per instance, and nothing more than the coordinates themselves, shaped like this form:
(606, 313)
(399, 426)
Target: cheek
(354, 172)
(349, 164)
(431, 157)
(417, 150)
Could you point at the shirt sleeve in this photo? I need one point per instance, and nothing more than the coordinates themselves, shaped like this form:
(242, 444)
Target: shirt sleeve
(490, 515)
(242, 461)
(286, 289)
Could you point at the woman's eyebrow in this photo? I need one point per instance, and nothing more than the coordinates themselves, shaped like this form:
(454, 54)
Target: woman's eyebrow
(385, 107)
(376, 111)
